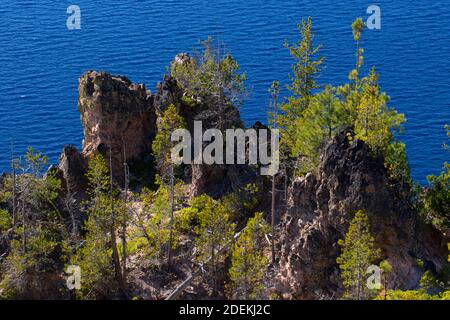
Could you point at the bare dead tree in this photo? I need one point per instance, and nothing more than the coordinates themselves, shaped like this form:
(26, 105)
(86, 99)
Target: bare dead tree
(69, 201)
(14, 186)
(124, 220)
(14, 189)
(115, 251)
(169, 252)
(274, 92)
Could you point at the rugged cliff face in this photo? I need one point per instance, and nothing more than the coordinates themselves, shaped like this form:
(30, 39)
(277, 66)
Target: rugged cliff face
(118, 119)
(321, 207)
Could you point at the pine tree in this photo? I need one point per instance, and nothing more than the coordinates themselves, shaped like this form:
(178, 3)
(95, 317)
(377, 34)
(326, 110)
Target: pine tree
(99, 257)
(357, 254)
(248, 262)
(162, 150)
(436, 199)
(273, 116)
(214, 232)
(357, 30)
(153, 221)
(350, 93)
(386, 267)
(319, 123)
(37, 238)
(303, 82)
(212, 77)
(375, 121)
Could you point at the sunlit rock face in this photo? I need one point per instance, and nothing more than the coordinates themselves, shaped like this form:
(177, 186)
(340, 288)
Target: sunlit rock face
(118, 119)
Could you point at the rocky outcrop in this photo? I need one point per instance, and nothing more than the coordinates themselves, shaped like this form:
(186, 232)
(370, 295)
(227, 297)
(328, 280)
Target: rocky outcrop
(168, 92)
(118, 119)
(73, 171)
(212, 179)
(321, 207)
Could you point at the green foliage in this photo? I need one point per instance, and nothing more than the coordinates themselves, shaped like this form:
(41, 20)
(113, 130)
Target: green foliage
(214, 231)
(357, 30)
(100, 276)
(162, 150)
(305, 70)
(386, 269)
(156, 208)
(37, 231)
(274, 92)
(358, 253)
(162, 144)
(396, 162)
(420, 294)
(5, 221)
(96, 263)
(310, 118)
(430, 289)
(98, 177)
(436, 199)
(213, 76)
(153, 221)
(242, 203)
(28, 273)
(38, 242)
(319, 122)
(428, 282)
(303, 82)
(408, 295)
(248, 262)
(36, 161)
(374, 121)
(385, 266)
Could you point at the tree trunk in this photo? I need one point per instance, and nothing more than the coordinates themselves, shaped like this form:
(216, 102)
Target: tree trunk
(273, 219)
(124, 220)
(213, 271)
(69, 199)
(115, 256)
(24, 226)
(14, 213)
(115, 252)
(169, 249)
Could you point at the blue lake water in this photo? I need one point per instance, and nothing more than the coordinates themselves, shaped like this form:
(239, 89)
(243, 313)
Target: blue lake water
(41, 60)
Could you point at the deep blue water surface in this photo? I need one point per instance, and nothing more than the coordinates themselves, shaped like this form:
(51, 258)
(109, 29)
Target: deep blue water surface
(41, 60)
